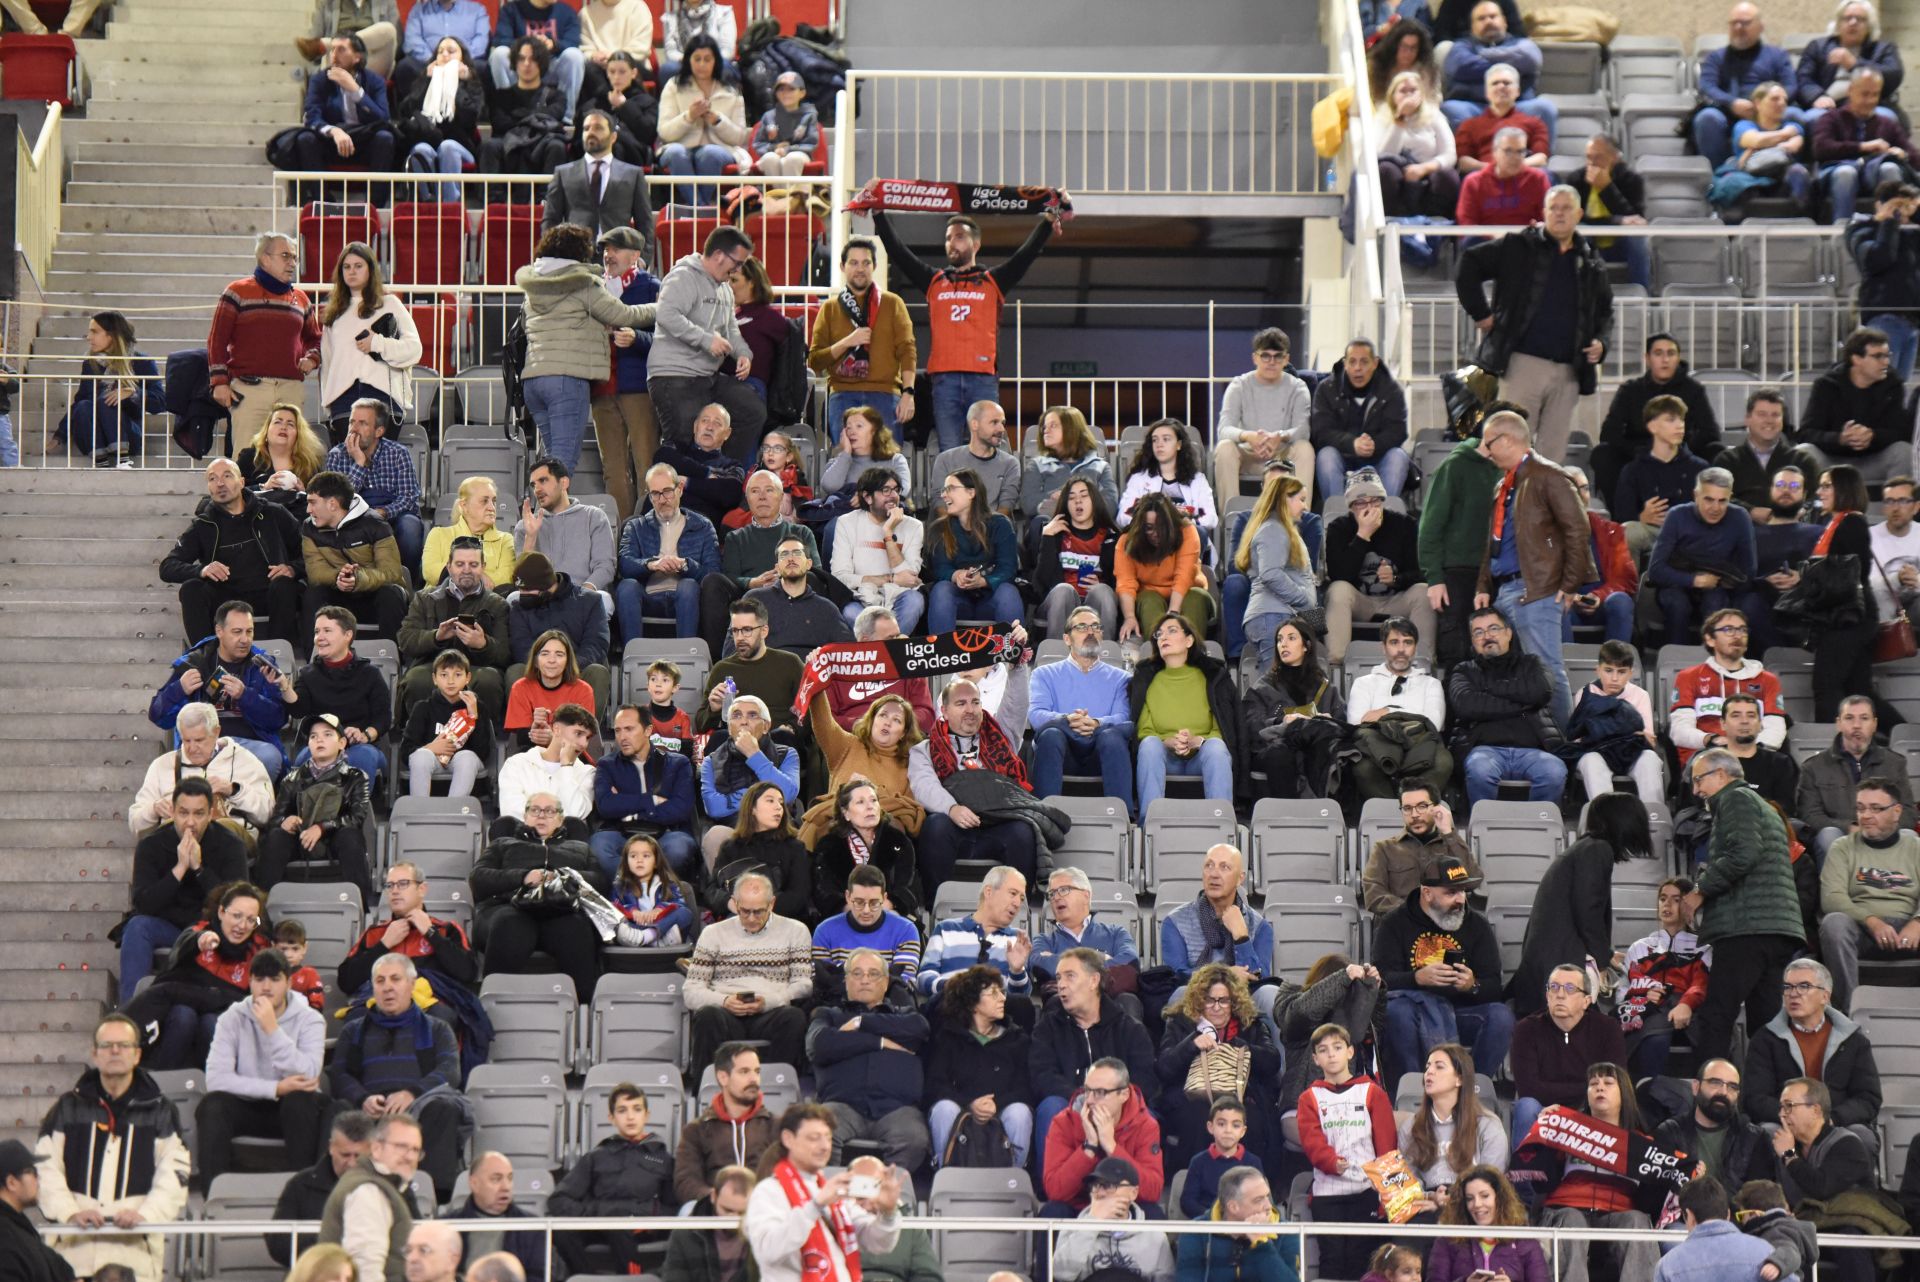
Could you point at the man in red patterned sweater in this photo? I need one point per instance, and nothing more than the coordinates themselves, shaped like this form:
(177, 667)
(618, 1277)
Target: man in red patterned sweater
(265, 337)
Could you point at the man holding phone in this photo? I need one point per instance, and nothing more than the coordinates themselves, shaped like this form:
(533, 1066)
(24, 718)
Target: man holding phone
(463, 614)
(1441, 964)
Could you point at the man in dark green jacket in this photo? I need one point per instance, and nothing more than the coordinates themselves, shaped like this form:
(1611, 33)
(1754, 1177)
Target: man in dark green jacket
(1455, 515)
(1743, 903)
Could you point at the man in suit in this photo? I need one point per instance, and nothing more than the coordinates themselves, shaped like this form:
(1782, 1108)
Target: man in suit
(597, 191)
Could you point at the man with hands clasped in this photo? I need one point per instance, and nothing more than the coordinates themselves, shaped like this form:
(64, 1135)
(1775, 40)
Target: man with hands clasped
(263, 1074)
(175, 868)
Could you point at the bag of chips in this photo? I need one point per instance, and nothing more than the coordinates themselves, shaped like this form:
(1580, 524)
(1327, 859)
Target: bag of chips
(1399, 1187)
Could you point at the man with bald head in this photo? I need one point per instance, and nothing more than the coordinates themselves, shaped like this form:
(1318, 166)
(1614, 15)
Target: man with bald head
(1241, 938)
(433, 1253)
(238, 547)
(490, 1200)
(1729, 75)
(966, 739)
(500, 1266)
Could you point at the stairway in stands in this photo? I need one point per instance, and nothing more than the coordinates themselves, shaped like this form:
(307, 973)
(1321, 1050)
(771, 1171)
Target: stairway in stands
(87, 633)
(168, 179)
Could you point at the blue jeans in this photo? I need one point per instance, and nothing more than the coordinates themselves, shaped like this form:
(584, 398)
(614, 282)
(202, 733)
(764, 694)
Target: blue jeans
(1713, 132)
(1526, 1111)
(1903, 335)
(1235, 591)
(1259, 631)
(185, 1037)
(1330, 468)
(908, 608)
(704, 161)
(1538, 626)
(679, 848)
(1418, 1021)
(569, 67)
(946, 603)
(368, 758)
(268, 750)
(1615, 615)
(952, 394)
(1487, 766)
(562, 407)
(1105, 754)
(1015, 1119)
(9, 447)
(410, 534)
(1213, 763)
(1683, 607)
(143, 936)
(632, 602)
(1460, 110)
(1845, 181)
(838, 403)
(1634, 251)
(449, 158)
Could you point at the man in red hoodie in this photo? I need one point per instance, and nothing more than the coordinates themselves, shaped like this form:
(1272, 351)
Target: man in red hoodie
(1107, 1117)
(734, 1130)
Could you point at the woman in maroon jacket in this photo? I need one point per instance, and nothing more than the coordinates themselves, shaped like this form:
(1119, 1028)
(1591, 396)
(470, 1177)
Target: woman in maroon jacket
(1483, 1198)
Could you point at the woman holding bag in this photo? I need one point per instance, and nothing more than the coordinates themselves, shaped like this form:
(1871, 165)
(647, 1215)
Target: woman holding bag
(1215, 1043)
(1297, 715)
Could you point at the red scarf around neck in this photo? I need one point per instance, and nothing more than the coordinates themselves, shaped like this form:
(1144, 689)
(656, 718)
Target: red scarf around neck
(996, 754)
(816, 1260)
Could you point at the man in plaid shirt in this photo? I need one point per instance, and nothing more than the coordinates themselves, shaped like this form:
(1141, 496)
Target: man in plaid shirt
(382, 473)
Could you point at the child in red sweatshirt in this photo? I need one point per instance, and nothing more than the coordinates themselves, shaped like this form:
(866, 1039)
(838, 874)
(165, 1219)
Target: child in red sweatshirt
(290, 941)
(1344, 1121)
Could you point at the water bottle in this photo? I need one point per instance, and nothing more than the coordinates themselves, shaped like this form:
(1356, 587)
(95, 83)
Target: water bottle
(1333, 176)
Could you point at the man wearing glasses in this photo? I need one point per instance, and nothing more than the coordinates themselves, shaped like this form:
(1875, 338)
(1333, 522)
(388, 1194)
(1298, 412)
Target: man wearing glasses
(110, 1151)
(694, 333)
(1870, 888)
(1827, 800)
(1744, 904)
(1819, 1159)
(664, 554)
(1502, 701)
(1080, 715)
(876, 551)
(1856, 412)
(772, 676)
(750, 558)
(1717, 1132)
(438, 948)
(1553, 1048)
(799, 620)
(1700, 693)
(1896, 546)
(1810, 1036)
(1397, 865)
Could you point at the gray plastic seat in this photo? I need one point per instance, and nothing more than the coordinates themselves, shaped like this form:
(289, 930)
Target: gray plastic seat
(443, 836)
(521, 1110)
(639, 1018)
(533, 1018)
(982, 1193)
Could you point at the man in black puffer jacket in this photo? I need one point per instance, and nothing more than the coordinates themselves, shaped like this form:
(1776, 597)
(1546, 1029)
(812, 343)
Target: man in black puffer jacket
(866, 1064)
(237, 548)
(1623, 432)
(1856, 412)
(347, 686)
(1499, 702)
(1551, 319)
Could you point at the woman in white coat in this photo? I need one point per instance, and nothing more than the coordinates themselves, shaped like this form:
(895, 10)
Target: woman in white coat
(368, 341)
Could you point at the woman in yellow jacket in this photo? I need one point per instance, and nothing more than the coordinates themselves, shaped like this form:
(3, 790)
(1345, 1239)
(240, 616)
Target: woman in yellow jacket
(875, 749)
(474, 509)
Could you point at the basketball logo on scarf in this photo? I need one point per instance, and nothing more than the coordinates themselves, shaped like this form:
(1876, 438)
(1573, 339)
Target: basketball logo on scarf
(899, 657)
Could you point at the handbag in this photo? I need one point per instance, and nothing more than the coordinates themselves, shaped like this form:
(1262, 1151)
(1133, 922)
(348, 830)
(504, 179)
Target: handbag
(1893, 638)
(554, 896)
(1221, 1071)
(1827, 595)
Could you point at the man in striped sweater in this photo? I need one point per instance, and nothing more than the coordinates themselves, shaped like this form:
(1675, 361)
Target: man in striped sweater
(985, 937)
(265, 337)
(867, 923)
(748, 976)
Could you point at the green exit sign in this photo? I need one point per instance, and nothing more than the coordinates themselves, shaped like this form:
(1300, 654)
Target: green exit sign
(1073, 369)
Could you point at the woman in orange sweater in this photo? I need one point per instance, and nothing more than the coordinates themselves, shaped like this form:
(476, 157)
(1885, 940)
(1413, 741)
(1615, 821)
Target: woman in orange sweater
(1156, 570)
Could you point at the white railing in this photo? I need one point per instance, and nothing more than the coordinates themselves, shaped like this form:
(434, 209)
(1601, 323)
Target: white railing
(1092, 133)
(190, 1241)
(1365, 287)
(36, 186)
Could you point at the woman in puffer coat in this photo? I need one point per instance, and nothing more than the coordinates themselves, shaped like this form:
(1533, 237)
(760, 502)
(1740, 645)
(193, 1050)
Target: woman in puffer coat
(569, 316)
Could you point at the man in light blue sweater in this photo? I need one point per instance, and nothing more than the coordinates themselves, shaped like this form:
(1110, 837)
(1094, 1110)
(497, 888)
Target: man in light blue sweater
(263, 1073)
(1080, 713)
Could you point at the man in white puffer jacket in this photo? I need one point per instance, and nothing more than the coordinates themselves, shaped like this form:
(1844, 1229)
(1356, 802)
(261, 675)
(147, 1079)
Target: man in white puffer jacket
(263, 1074)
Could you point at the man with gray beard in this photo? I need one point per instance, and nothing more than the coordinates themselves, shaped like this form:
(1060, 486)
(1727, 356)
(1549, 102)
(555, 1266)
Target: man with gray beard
(1441, 964)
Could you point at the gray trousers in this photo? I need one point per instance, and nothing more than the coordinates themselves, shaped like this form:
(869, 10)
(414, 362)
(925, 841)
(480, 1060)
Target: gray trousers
(1548, 392)
(1841, 939)
(1637, 1260)
(902, 1134)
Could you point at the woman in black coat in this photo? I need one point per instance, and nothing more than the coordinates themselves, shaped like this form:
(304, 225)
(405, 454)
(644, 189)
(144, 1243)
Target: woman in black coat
(1217, 1010)
(1295, 718)
(1843, 656)
(510, 933)
(443, 135)
(1572, 918)
(977, 1055)
(864, 835)
(636, 116)
(765, 840)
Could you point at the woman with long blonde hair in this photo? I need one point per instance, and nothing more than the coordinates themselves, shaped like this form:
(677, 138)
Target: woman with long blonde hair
(324, 1262)
(284, 455)
(1417, 156)
(1273, 555)
(117, 387)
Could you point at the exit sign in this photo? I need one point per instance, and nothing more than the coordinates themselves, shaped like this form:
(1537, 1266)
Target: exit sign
(1073, 369)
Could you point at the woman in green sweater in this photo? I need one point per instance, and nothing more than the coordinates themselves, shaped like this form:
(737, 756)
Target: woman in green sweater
(1186, 715)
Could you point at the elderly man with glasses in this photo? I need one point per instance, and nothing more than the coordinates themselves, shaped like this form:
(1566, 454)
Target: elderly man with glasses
(1744, 904)
(1821, 1160)
(1070, 902)
(1811, 1037)
(1870, 888)
(664, 554)
(1553, 1048)
(1080, 715)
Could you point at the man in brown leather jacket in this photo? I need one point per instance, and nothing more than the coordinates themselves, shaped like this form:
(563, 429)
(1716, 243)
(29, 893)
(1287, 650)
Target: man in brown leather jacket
(1539, 553)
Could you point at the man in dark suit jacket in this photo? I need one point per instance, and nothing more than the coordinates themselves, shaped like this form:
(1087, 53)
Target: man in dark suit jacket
(346, 114)
(597, 191)
(1623, 195)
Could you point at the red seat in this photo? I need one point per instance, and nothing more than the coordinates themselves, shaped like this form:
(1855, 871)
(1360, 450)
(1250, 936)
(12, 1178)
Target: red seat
(784, 245)
(429, 243)
(815, 168)
(324, 235)
(792, 13)
(679, 237)
(439, 323)
(36, 68)
(507, 239)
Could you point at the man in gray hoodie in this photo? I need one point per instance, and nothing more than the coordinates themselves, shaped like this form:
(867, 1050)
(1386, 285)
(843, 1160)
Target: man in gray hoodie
(694, 333)
(263, 1073)
(576, 537)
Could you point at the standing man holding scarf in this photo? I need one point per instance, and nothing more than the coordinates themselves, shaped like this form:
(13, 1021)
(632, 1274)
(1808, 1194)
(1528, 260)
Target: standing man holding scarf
(863, 343)
(803, 1227)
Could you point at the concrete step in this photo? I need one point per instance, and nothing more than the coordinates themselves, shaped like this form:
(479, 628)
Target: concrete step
(100, 837)
(50, 1017)
(236, 193)
(167, 171)
(71, 927)
(122, 754)
(114, 782)
(220, 79)
(53, 503)
(95, 895)
(25, 804)
(55, 986)
(156, 599)
(119, 485)
(98, 551)
(141, 528)
(102, 875)
(88, 578)
(266, 93)
(194, 154)
(112, 263)
(131, 129)
(81, 703)
(32, 1089)
(158, 289)
(163, 221)
(113, 621)
(275, 108)
(25, 955)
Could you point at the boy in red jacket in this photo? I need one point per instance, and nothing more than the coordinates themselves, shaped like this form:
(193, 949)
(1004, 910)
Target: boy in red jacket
(1345, 1121)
